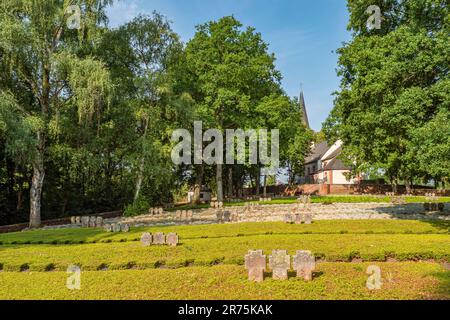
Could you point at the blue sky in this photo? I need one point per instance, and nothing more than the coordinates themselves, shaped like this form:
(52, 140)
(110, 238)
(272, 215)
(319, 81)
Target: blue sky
(302, 33)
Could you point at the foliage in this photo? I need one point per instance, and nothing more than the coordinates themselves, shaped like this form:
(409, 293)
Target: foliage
(395, 90)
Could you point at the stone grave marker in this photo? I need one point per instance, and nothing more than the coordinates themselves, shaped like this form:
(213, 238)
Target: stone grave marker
(146, 239)
(219, 215)
(159, 238)
(92, 221)
(280, 263)
(99, 221)
(107, 227)
(85, 221)
(298, 218)
(73, 220)
(288, 218)
(172, 239)
(255, 263)
(116, 227)
(125, 227)
(190, 215)
(227, 216)
(308, 218)
(78, 220)
(304, 264)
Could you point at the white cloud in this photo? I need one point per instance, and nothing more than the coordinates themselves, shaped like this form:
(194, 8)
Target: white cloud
(123, 11)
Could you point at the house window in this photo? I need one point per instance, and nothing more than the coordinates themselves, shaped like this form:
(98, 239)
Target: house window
(314, 168)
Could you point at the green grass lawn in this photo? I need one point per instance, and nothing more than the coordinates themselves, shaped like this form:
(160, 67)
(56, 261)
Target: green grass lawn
(208, 264)
(406, 280)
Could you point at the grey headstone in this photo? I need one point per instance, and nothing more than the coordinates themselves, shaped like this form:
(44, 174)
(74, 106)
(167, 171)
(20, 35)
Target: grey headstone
(227, 216)
(255, 263)
(108, 227)
(125, 227)
(308, 218)
(172, 239)
(99, 222)
(219, 215)
(159, 238)
(146, 239)
(116, 227)
(85, 221)
(298, 218)
(280, 263)
(73, 220)
(288, 218)
(304, 264)
(92, 222)
(78, 220)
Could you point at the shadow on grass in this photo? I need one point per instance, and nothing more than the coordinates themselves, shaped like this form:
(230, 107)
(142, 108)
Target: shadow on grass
(443, 290)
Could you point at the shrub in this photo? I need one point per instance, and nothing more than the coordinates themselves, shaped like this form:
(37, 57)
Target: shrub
(139, 207)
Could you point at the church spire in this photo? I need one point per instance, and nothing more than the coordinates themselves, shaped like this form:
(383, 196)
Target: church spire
(301, 99)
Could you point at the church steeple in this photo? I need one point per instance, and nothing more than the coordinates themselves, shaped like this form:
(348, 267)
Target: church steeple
(301, 99)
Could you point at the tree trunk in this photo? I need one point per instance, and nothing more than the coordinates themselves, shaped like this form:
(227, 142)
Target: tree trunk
(219, 182)
(408, 186)
(140, 178)
(230, 182)
(198, 183)
(265, 187)
(36, 189)
(140, 175)
(258, 182)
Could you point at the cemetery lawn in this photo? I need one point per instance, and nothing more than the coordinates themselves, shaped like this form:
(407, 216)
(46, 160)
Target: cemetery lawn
(342, 281)
(208, 264)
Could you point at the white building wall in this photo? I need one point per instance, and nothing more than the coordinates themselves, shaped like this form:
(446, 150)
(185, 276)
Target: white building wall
(339, 177)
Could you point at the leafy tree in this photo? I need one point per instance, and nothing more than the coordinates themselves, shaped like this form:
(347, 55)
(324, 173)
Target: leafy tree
(232, 72)
(49, 71)
(394, 82)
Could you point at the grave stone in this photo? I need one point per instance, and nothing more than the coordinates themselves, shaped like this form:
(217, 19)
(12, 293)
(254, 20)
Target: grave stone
(116, 227)
(280, 263)
(85, 221)
(99, 222)
(227, 216)
(189, 215)
(219, 215)
(73, 220)
(288, 218)
(78, 220)
(159, 238)
(125, 227)
(172, 239)
(255, 263)
(298, 218)
(92, 222)
(304, 264)
(108, 227)
(146, 239)
(308, 218)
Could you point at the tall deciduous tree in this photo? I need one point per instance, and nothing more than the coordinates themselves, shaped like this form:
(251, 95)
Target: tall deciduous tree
(232, 71)
(394, 88)
(49, 70)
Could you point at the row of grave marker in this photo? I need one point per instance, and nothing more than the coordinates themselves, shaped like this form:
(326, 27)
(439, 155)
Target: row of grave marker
(87, 221)
(116, 227)
(159, 238)
(299, 218)
(304, 263)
